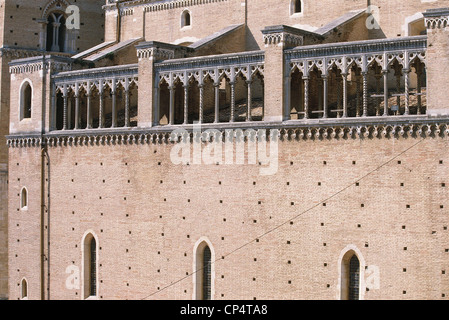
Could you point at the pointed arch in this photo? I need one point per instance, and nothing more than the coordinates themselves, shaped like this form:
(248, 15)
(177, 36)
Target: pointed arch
(24, 289)
(89, 247)
(54, 4)
(24, 199)
(25, 99)
(351, 266)
(204, 271)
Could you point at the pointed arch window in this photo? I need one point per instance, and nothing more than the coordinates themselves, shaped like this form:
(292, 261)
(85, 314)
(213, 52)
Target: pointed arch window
(90, 266)
(26, 100)
(56, 32)
(24, 199)
(204, 272)
(350, 276)
(24, 290)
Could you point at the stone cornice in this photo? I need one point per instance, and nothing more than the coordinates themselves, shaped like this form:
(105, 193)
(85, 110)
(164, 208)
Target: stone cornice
(404, 128)
(436, 18)
(234, 59)
(284, 36)
(161, 50)
(358, 47)
(33, 64)
(127, 7)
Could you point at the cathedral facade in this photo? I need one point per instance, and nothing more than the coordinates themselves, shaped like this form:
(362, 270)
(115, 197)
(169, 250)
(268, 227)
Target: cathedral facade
(225, 149)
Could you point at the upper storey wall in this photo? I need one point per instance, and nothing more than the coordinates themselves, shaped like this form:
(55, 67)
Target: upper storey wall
(397, 18)
(162, 20)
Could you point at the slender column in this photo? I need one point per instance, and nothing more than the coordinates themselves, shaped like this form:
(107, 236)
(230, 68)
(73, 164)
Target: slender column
(69, 113)
(127, 107)
(345, 95)
(101, 102)
(288, 99)
(378, 76)
(65, 98)
(232, 101)
(365, 94)
(398, 75)
(114, 104)
(418, 89)
(325, 96)
(89, 111)
(339, 97)
(407, 90)
(172, 105)
(357, 95)
(55, 46)
(306, 97)
(320, 97)
(156, 119)
(217, 102)
(201, 88)
(249, 103)
(77, 107)
(186, 104)
(385, 74)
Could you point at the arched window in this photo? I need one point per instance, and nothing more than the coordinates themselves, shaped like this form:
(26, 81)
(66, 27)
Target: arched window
(90, 266)
(24, 199)
(56, 32)
(295, 7)
(204, 272)
(186, 19)
(24, 290)
(350, 276)
(26, 100)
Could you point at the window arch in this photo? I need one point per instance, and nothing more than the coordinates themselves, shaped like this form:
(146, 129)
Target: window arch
(186, 19)
(204, 271)
(296, 7)
(351, 281)
(26, 100)
(90, 270)
(24, 289)
(24, 199)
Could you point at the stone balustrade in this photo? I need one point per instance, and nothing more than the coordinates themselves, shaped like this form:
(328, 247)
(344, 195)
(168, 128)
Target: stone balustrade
(357, 79)
(363, 79)
(94, 93)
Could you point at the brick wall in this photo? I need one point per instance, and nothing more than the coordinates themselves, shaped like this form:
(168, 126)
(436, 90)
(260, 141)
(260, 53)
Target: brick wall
(148, 215)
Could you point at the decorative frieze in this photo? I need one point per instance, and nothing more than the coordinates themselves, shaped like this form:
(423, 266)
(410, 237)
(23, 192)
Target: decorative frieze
(53, 64)
(392, 130)
(152, 6)
(156, 53)
(436, 18)
(283, 36)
